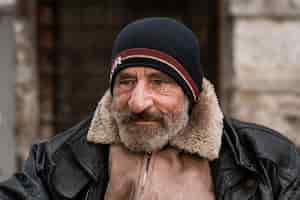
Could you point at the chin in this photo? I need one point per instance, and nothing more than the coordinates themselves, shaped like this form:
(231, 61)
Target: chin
(144, 140)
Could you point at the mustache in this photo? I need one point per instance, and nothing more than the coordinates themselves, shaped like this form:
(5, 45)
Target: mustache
(128, 117)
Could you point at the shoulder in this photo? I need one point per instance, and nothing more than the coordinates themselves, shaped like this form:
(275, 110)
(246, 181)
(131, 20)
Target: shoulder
(75, 160)
(68, 136)
(272, 157)
(260, 143)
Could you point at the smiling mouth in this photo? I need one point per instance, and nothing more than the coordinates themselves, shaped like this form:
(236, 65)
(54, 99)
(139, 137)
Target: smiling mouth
(145, 122)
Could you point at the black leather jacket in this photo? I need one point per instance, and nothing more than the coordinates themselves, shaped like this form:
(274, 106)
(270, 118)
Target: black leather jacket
(255, 163)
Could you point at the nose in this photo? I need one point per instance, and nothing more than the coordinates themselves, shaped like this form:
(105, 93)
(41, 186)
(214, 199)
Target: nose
(140, 99)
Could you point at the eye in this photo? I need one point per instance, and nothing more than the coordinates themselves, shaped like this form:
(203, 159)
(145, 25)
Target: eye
(125, 85)
(158, 81)
(128, 81)
(160, 85)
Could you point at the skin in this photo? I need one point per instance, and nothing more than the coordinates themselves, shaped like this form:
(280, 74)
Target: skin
(149, 107)
(142, 88)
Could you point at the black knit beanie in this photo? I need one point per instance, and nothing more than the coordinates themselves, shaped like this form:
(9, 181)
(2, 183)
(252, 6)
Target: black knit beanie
(163, 44)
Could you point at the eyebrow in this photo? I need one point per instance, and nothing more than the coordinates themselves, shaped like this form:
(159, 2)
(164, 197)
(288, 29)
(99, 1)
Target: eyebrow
(160, 76)
(124, 75)
(151, 74)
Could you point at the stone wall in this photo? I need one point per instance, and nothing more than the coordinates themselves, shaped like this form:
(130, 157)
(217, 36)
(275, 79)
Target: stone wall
(266, 63)
(7, 83)
(4, 4)
(27, 92)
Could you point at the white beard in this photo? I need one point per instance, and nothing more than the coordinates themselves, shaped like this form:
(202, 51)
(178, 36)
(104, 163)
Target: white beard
(150, 138)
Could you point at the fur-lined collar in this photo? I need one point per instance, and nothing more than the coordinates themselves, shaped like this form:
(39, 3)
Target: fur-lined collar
(202, 135)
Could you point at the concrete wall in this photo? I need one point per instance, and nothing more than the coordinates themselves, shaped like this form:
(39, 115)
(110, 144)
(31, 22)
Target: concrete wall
(7, 91)
(266, 63)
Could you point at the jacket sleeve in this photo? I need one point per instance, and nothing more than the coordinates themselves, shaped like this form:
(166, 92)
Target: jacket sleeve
(292, 189)
(31, 183)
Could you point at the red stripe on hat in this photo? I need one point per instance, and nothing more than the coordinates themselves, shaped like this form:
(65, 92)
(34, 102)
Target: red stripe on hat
(162, 57)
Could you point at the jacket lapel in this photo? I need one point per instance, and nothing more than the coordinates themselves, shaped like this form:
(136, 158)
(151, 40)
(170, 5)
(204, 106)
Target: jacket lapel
(233, 165)
(78, 163)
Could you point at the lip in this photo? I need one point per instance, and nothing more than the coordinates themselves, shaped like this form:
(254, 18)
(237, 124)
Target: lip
(145, 123)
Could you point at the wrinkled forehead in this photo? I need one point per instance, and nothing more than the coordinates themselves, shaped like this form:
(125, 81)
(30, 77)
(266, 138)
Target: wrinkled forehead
(141, 71)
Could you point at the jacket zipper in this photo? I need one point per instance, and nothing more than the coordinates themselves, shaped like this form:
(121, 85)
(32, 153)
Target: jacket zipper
(143, 181)
(145, 175)
(87, 194)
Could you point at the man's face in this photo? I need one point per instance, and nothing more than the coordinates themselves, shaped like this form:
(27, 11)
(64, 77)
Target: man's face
(149, 107)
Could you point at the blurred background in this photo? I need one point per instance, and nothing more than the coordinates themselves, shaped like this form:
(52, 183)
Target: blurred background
(55, 61)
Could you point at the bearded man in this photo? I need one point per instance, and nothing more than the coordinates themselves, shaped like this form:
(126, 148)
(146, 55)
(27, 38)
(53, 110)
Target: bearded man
(159, 133)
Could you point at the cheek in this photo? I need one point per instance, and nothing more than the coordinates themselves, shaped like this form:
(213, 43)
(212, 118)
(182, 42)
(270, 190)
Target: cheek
(120, 101)
(171, 105)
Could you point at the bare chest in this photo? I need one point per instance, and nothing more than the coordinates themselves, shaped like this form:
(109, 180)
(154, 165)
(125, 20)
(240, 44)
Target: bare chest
(167, 174)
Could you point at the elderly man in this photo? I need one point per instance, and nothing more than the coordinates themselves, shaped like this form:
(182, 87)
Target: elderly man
(159, 133)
